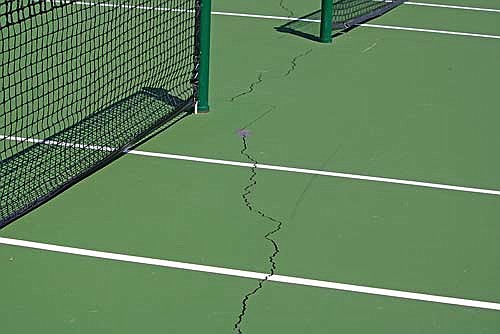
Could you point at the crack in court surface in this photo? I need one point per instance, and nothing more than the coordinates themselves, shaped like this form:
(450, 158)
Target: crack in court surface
(293, 62)
(251, 88)
(247, 192)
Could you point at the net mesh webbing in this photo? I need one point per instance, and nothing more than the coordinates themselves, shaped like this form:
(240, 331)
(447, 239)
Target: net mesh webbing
(83, 80)
(348, 13)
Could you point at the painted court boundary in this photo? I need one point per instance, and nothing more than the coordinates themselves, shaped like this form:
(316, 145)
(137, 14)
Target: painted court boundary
(288, 18)
(319, 172)
(379, 26)
(263, 166)
(252, 275)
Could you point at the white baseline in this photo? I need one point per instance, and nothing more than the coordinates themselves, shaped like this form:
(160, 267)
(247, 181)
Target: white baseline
(253, 275)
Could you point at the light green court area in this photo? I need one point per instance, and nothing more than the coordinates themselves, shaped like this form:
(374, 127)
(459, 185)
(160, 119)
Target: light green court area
(398, 104)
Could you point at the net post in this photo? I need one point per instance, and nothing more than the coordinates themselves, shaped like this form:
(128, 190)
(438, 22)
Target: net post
(204, 49)
(325, 34)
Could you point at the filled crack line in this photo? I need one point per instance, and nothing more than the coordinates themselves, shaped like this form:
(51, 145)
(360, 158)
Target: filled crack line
(293, 62)
(251, 88)
(264, 114)
(286, 9)
(247, 192)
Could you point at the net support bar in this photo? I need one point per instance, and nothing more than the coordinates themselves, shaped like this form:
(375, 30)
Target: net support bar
(204, 69)
(325, 35)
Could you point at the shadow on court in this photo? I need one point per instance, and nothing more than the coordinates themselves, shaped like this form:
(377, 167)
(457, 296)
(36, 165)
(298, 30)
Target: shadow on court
(347, 15)
(57, 162)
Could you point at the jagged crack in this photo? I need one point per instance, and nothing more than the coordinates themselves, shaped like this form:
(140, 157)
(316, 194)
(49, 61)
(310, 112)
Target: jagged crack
(293, 62)
(251, 88)
(252, 183)
(247, 191)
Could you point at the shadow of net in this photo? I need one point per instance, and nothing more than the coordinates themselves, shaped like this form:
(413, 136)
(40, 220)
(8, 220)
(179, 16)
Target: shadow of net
(33, 175)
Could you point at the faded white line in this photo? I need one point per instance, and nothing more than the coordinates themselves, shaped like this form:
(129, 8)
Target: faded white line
(253, 275)
(264, 166)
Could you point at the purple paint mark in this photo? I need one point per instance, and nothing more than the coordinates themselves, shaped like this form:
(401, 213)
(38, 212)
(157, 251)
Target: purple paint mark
(243, 133)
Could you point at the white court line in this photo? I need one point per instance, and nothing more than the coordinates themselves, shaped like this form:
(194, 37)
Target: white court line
(103, 4)
(444, 32)
(264, 166)
(452, 7)
(253, 275)
(286, 18)
(320, 172)
(58, 143)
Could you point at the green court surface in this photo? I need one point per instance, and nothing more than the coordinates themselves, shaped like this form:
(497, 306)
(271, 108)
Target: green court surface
(406, 105)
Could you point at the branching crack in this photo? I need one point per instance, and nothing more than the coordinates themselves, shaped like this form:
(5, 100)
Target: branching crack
(247, 191)
(286, 9)
(293, 63)
(251, 88)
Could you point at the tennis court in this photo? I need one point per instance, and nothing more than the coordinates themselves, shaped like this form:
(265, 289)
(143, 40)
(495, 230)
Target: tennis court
(350, 187)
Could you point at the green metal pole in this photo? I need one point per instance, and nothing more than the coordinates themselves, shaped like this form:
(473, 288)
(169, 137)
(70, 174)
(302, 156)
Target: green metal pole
(204, 69)
(325, 34)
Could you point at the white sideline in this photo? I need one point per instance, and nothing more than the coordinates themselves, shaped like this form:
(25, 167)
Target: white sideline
(253, 275)
(264, 166)
(287, 18)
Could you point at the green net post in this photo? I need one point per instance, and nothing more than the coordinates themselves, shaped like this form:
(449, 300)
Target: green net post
(325, 34)
(204, 69)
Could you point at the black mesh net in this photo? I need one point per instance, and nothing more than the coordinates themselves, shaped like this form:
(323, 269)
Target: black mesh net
(81, 82)
(348, 13)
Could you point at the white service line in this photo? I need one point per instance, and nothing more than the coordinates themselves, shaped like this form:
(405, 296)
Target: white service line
(264, 166)
(319, 172)
(253, 275)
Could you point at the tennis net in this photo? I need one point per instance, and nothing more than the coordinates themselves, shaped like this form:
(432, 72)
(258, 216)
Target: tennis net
(348, 13)
(337, 15)
(81, 82)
